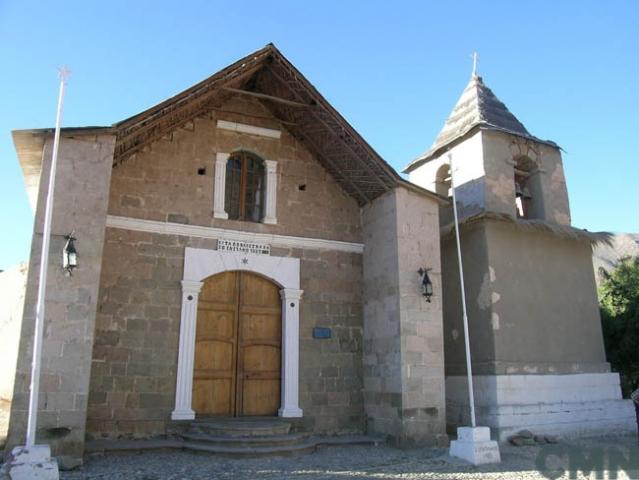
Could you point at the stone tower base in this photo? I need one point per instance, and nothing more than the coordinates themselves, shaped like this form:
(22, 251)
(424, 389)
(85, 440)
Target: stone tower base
(566, 405)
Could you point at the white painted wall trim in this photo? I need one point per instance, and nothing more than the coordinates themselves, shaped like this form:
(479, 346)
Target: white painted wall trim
(219, 188)
(168, 228)
(567, 405)
(271, 192)
(184, 385)
(200, 264)
(527, 389)
(270, 185)
(250, 129)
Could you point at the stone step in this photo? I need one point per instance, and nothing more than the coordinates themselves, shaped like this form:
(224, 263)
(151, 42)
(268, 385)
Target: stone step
(249, 441)
(263, 451)
(240, 427)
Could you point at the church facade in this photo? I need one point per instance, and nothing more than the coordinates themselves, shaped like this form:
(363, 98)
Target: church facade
(244, 252)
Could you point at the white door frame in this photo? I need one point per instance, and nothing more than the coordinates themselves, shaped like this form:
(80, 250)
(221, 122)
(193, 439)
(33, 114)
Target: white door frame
(200, 264)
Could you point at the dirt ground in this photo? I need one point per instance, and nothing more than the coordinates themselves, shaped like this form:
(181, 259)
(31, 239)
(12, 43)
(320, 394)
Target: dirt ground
(591, 458)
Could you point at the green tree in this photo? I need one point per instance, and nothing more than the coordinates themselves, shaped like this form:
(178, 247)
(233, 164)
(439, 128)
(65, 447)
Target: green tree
(619, 301)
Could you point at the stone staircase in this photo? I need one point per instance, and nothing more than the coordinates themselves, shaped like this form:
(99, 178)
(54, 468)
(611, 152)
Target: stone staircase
(246, 437)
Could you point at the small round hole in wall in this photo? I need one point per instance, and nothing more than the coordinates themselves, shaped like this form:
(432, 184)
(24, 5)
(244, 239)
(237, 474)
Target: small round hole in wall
(292, 304)
(201, 171)
(190, 297)
(302, 187)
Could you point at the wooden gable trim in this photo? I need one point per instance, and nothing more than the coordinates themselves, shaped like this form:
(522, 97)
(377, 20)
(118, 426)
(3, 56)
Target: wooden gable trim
(270, 77)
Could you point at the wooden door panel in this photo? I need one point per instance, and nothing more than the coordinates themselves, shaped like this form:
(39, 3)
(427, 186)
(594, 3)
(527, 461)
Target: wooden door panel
(261, 327)
(215, 323)
(259, 349)
(213, 396)
(261, 359)
(261, 397)
(237, 364)
(215, 362)
(258, 291)
(213, 357)
(220, 288)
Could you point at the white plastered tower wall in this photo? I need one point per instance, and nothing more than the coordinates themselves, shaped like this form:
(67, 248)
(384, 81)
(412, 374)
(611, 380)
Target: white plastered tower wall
(535, 332)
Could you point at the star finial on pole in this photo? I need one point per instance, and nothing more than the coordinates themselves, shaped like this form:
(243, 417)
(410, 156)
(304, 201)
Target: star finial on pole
(64, 73)
(475, 57)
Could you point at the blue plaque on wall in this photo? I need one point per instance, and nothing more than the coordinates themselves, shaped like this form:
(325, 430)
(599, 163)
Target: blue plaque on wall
(321, 332)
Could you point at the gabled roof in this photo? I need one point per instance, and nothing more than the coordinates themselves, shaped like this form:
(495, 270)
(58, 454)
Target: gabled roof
(269, 76)
(477, 107)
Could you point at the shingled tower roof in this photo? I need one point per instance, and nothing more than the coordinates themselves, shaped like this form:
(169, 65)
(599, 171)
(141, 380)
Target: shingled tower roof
(477, 107)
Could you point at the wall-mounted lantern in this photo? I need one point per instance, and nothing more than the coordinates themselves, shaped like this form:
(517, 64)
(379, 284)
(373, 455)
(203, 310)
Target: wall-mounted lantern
(426, 285)
(69, 254)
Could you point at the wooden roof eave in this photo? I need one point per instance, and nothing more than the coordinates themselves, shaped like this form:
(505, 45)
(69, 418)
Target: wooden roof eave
(137, 131)
(256, 57)
(390, 171)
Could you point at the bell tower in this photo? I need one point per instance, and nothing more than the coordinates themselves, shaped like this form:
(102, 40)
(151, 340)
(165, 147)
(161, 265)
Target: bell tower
(500, 167)
(537, 351)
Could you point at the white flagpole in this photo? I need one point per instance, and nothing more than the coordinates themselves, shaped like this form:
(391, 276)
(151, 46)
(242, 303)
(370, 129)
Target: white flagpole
(469, 371)
(42, 281)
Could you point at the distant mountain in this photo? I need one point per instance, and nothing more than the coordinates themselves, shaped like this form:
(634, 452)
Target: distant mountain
(606, 257)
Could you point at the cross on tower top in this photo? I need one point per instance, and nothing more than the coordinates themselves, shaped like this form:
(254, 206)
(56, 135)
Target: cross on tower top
(475, 57)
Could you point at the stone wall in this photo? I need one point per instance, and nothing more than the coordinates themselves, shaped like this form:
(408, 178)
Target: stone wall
(162, 181)
(545, 311)
(403, 343)
(532, 303)
(476, 273)
(81, 197)
(470, 177)
(382, 349)
(547, 182)
(136, 341)
(422, 344)
(484, 177)
(135, 355)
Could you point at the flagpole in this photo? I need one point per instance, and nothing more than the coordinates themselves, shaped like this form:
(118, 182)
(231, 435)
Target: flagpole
(469, 371)
(42, 282)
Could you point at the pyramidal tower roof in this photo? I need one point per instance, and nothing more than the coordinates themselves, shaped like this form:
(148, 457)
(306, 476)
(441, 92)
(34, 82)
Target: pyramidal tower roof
(477, 106)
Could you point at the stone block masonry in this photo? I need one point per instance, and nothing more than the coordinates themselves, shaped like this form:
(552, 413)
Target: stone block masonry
(162, 182)
(403, 341)
(133, 376)
(83, 172)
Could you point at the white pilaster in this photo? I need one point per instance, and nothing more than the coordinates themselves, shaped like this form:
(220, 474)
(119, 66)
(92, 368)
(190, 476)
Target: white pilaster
(270, 215)
(220, 185)
(290, 354)
(184, 384)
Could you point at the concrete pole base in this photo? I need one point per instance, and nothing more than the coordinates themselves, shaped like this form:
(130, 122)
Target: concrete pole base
(30, 463)
(475, 446)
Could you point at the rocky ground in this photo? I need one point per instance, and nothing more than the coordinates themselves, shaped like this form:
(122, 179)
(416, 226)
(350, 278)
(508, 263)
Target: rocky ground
(367, 462)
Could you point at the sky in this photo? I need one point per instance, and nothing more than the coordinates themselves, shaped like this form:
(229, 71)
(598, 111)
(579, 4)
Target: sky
(567, 69)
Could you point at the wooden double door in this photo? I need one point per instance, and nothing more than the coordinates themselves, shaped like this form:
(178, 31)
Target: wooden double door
(237, 368)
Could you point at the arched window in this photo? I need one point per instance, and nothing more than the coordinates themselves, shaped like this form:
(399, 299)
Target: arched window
(443, 181)
(244, 189)
(523, 198)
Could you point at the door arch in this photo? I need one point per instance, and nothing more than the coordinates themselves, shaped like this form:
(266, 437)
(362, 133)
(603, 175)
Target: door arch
(238, 343)
(200, 264)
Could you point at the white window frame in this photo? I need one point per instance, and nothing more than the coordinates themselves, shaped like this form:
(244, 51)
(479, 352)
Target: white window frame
(219, 192)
